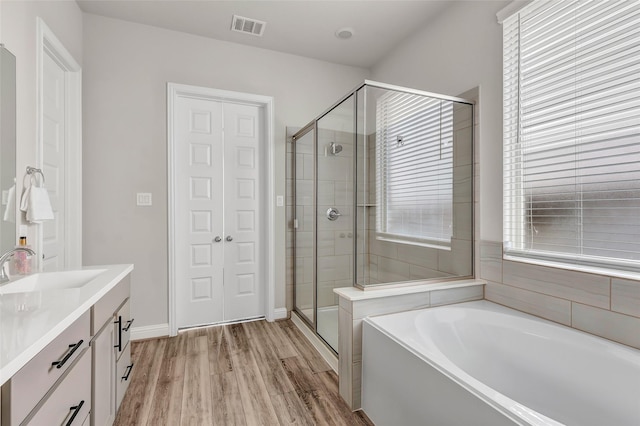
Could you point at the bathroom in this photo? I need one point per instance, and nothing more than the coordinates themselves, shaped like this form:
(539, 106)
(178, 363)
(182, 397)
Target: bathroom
(455, 49)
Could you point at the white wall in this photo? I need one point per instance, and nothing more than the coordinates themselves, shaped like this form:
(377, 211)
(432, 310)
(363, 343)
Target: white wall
(126, 68)
(18, 33)
(459, 50)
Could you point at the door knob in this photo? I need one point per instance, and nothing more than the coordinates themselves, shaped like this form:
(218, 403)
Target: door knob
(217, 239)
(229, 238)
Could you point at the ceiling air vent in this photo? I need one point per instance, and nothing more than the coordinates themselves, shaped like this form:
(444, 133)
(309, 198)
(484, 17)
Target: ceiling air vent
(248, 25)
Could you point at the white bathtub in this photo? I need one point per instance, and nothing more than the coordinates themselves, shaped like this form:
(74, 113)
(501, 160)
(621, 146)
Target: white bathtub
(479, 363)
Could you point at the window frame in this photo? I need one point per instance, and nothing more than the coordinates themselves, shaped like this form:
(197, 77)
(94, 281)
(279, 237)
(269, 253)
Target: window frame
(515, 195)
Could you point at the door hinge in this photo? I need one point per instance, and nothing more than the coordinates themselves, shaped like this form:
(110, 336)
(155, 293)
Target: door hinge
(295, 223)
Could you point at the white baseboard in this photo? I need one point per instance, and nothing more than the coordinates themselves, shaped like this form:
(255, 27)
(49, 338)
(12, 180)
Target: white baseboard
(149, 331)
(280, 313)
(315, 341)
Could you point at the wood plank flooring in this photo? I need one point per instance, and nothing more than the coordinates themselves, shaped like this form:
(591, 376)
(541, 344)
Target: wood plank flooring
(254, 373)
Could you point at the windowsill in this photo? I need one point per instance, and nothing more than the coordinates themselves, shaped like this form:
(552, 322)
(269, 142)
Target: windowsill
(415, 243)
(615, 273)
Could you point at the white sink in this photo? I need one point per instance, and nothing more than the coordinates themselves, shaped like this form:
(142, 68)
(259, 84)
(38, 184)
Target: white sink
(51, 281)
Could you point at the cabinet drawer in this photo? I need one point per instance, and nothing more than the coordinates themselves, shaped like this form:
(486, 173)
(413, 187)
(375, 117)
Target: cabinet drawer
(123, 326)
(104, 309)
(27, 387)
(70, 398)
(124, 370)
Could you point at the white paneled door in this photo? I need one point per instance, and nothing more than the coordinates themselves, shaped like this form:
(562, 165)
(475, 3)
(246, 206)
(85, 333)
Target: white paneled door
(217, 204)
(53, 161)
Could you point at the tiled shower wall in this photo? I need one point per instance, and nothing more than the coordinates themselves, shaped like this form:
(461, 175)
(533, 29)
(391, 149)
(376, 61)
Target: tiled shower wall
(387, 261)
(334, 238)
(598, 304)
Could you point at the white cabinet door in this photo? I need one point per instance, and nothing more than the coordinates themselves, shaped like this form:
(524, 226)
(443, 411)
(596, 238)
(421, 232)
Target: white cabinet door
(104, 373)
(123, 325)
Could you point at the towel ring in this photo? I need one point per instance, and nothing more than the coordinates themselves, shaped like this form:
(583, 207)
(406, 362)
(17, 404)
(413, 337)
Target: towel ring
(32, 171)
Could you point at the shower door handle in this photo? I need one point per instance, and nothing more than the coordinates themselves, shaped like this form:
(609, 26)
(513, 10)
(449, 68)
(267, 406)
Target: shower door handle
(333, 214)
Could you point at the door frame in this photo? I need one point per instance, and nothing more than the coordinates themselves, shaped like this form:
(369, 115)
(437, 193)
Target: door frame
(48, 44)
(174, 91)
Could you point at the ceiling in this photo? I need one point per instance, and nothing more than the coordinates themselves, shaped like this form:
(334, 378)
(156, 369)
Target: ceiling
(299, 27)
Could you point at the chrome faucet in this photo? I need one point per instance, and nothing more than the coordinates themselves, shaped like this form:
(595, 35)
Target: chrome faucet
(5, 258)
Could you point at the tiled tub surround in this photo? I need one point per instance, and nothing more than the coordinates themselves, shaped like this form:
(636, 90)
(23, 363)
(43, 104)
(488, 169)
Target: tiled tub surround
(356, 304)
(606, 306)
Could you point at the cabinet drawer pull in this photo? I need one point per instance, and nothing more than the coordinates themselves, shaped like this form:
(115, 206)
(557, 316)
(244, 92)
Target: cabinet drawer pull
(128, 325)
(74, 347)
(127, 372)
(76, 409)
(119, 345)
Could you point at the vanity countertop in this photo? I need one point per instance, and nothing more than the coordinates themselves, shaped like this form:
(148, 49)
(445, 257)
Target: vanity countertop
(30, 320)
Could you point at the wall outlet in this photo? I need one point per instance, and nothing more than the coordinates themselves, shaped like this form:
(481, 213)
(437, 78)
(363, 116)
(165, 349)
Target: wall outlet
(144, 199)
(280, 201)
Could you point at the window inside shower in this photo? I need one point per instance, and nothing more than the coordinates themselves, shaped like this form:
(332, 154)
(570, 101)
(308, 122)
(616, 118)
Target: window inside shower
(414, 173)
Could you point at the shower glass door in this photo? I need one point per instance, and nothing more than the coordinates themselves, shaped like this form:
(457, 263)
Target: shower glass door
(334, 214)
(304, 228)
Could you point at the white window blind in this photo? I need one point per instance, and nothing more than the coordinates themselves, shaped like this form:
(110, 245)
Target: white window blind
(414, 150)
(572, 133)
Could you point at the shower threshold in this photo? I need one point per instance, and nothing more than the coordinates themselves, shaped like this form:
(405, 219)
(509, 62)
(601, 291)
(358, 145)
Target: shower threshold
(327, 324)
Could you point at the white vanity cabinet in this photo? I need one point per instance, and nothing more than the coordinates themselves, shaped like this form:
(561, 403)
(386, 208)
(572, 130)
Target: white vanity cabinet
(78, 371)
(51, 373)
(111, 327)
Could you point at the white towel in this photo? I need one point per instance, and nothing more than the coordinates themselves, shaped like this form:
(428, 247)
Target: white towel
(35, 202)
(10, 208)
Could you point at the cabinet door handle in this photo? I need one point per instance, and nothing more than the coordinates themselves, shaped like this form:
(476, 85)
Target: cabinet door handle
(74, 347)
(76, 409)
(128, 325)
(127, 372)
(119, 345)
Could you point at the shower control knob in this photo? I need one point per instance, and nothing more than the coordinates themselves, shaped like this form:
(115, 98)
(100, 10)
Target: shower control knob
(333, 214)
(229, 238)
(217, 239)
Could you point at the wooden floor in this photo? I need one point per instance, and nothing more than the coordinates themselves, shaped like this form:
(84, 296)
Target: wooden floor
(255, 373)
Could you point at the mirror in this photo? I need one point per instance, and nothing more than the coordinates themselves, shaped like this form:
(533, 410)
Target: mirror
(7, 150)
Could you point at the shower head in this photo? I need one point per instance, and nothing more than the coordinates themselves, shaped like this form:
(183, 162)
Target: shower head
(334, 149)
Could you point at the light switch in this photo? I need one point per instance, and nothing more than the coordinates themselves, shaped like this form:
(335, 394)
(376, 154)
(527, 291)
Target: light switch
(280, 200)
(144, 198)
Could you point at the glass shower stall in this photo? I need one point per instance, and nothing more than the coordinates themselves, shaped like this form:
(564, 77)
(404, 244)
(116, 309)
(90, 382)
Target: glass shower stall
(382, 187)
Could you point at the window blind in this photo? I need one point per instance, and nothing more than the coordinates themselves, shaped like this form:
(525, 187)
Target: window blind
(572, 133)
(414, 150)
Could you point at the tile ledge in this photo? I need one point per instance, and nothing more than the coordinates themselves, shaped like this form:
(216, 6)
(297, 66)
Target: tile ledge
(354, 294)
